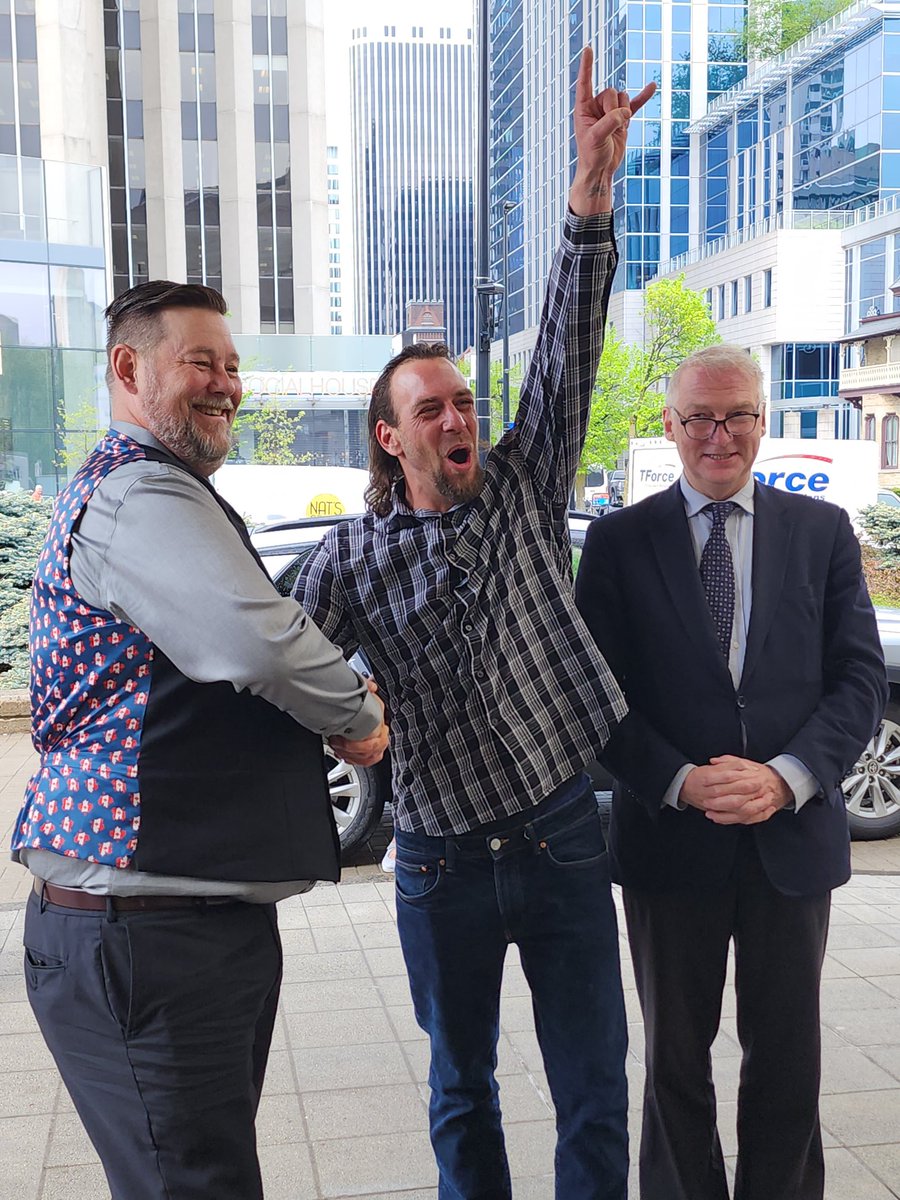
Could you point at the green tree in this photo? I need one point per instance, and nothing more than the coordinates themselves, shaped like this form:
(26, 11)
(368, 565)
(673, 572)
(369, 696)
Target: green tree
(628, 398)
(82, 428)
(275, 432)
(774, 25)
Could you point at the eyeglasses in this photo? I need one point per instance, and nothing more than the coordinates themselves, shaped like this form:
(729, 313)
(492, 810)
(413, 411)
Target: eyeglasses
(700, 429)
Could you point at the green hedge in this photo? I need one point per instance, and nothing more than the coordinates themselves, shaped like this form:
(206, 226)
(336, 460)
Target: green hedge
(23, 526)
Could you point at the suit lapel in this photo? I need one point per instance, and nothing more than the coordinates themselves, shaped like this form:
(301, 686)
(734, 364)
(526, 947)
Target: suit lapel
(674, 550)
(771, 546)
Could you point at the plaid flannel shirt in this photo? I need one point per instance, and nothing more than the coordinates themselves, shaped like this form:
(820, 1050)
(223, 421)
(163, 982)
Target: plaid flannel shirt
(496, 691)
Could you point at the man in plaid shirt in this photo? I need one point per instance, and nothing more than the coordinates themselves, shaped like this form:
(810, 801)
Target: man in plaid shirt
(458, 587)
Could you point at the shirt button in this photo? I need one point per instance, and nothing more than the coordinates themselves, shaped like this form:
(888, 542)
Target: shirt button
(468, 627)
(495, 843)
(479, 674)
(734, 646)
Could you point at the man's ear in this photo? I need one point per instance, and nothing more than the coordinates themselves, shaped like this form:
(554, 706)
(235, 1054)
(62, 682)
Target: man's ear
(667, 425)
(123, 361)
(386, 436)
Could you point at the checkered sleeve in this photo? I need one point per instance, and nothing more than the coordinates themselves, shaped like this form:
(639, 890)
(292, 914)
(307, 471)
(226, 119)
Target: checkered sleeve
(318, 591)
(556, 397)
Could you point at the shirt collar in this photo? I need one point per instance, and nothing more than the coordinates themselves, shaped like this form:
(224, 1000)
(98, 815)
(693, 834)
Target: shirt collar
(695, 502)
(401, 513)
(138, 434)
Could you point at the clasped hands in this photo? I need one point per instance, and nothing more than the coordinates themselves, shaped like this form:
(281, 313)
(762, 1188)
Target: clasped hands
(364, 752)
(735, 791)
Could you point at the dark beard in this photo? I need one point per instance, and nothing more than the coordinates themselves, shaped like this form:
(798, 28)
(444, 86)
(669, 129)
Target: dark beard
(463, 491)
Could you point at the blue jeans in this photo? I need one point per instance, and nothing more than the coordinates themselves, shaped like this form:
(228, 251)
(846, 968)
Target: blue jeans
(539, 879)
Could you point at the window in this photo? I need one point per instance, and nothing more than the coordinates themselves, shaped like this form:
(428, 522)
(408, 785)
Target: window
(767, 288)
(889, 434)
(869, 427)
(748, 293)
(734, 297)
(721, 301)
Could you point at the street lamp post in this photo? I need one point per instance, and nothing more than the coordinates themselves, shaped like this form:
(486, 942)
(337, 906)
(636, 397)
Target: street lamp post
(508, 206)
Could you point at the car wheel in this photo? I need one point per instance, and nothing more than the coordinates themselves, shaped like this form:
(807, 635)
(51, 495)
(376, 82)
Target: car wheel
(357, 799)
(872, 787)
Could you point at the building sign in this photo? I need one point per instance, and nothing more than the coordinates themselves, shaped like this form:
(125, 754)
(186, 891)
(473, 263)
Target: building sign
(311, 387)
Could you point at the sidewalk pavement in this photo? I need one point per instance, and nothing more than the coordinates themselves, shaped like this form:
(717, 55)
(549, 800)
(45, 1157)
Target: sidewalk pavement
(344, 1111)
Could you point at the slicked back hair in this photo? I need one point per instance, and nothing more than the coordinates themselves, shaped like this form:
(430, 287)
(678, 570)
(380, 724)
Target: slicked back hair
(384, 468)
(719, 359)
(135, 317)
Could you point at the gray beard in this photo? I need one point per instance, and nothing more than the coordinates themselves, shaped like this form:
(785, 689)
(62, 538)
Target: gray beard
(179, 434)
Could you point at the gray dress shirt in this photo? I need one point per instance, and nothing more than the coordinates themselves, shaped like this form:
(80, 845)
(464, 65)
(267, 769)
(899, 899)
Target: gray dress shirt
(154, 548)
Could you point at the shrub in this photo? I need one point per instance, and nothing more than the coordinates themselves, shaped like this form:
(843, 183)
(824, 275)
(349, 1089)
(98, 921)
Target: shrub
(23, 526)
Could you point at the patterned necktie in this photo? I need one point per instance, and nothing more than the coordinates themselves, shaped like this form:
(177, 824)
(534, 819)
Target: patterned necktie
(717, 573)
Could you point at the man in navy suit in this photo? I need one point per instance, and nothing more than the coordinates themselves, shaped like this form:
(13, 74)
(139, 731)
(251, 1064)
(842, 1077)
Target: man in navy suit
(737, 621)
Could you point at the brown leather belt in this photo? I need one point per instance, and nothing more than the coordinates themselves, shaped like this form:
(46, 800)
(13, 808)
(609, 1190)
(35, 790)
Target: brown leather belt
(92, 902)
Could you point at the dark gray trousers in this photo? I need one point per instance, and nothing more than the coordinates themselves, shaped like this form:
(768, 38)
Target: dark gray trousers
(679, 946)
(160, 1024)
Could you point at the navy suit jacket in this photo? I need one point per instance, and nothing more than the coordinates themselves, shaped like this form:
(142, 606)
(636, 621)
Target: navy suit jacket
(813, 685)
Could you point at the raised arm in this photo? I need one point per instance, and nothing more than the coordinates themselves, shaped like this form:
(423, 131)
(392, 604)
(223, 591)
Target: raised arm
(553, 411)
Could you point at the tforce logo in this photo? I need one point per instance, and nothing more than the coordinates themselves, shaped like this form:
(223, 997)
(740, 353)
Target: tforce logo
(794, 478)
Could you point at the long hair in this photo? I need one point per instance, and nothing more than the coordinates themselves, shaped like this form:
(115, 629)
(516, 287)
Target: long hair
(384, 468)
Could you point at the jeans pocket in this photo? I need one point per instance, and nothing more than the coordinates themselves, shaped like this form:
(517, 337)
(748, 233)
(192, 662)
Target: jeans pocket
(578, 845)
(416, 878)
(39, 967)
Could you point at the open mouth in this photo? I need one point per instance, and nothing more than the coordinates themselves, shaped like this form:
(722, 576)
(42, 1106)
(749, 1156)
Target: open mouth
(461, 456)
(212, 410)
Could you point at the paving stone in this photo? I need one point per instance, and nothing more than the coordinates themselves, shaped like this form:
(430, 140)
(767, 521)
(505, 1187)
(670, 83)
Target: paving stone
(329, 994)
(887, 1057)
(846, 1178)
(522, 1099)
(883, 1162)
(863, 1118)
(857, 994)
(343, 1027)
(69, 1144)
(23, 1093)
(882, 960)
(279, 1121)
(324, 1067)
(376, 937)
(381, 1163)
(403, 1021)
(75, 1183)
(287, 1172)
(363, 1112)
(348, 964)
(335, 938)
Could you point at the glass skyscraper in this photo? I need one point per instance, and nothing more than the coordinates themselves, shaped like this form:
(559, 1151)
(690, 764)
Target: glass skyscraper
(413, 148)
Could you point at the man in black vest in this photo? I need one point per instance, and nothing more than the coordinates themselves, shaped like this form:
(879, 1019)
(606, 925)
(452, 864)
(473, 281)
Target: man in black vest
(178, 706)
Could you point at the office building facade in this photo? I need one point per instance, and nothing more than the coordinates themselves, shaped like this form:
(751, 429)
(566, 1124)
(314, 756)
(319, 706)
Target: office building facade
(788, 160)
(413, 143)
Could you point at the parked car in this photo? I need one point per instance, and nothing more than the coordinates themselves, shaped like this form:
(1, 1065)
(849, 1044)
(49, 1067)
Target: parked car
(359, 794)
(891, 499)
(616, 489)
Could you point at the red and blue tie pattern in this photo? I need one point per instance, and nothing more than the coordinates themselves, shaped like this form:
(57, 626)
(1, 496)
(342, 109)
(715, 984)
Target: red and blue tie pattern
(90, 682)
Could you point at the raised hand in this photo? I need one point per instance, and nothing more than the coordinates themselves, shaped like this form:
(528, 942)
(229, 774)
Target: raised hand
(600, 122)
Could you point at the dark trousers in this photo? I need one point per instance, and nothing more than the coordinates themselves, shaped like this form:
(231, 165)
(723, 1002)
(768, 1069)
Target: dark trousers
(679, 946)
(540, 880)
(160, 1024)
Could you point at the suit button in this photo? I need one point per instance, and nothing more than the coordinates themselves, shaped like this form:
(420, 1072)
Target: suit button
(741, 702)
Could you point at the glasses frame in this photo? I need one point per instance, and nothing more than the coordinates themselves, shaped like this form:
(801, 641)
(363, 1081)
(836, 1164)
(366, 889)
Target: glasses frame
(717, 421)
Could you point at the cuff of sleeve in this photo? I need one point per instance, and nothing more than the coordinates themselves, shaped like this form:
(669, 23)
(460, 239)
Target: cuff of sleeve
(670, 796)
(367, 721)
(593, 232)
(797, 776)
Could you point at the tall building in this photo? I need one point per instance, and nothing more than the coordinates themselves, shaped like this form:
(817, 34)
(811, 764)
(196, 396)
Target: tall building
(413, 130)
(692, 51)
(789, 160)
(336, 243)
(217, 172)
(180, 139)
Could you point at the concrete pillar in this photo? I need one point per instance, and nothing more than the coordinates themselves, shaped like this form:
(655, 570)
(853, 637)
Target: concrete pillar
(162, 140)
(237, 164)
(309, 206)
(72, 81)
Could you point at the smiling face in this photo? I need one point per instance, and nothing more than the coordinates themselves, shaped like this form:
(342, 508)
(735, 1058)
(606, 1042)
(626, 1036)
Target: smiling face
(435, 437)
(186, 387)
(720, 465)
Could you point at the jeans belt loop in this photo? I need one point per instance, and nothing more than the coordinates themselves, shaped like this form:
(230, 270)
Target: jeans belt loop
(111, 915)
(449, 855)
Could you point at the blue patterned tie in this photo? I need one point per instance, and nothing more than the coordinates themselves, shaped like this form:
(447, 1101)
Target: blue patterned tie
(717, 573)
